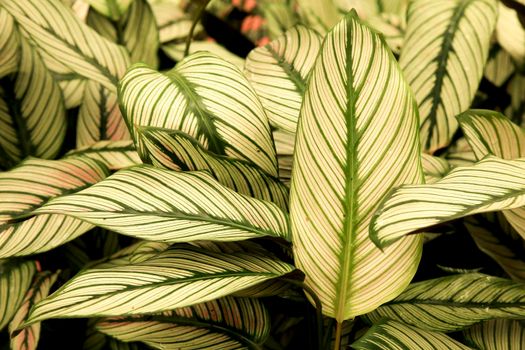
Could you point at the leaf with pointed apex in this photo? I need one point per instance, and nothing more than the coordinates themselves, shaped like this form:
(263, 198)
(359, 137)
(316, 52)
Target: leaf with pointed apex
(99, 117)
(434, 168)
(226, 323)
(191, 206)
(9, 45)
(490, 185)
(516, 90)
(455, 302)
(446, 46)
(497, 334)
(15, 279)
(499, 66)
(32, 110)
(30, 185)
(392, 335)
(278, 72)
(511, 33)
(345, 162)
(113, 9)
(217, 106)
(28, 338)
(114, 154)
(177, 151)
(179, 277)
(66, 44)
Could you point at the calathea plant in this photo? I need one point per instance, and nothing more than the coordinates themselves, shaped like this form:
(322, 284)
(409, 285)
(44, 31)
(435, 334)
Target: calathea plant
(195, 205)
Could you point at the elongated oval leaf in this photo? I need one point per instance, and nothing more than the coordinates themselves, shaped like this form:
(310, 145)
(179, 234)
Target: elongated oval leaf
(345, 161)
(72, 89)
(226, 323)
(178, 151)
(511, 34)
(497, 334)
(278, 72)
(446, 46)
(179, 277)
(15, 279)
(392, 335)
(65, 43)
(490, 185)
(28, 338)
(499, 66)
(455, 302)
(205, 97)
(191, 206)
(516, 110)
(114, 154)
(27, 187)
(434, 167)
(9, 44)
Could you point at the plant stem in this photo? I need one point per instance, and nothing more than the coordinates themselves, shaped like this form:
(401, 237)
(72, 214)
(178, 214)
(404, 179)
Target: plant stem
(200, 11)
(338, 330)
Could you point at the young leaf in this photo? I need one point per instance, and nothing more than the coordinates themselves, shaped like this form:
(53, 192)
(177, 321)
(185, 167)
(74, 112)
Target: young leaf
(278, 71)
(9, 44)
(345, 162)
(32, 110)
(28, 338)
(15, 279)
(114, 154)
(99, 116)
(67, 44)
(176, 150)
(490, 185)
(30, 185)
(179, 277)
(206, 98)
(191, 206)
(226, 323)
(455, 302)
(446, 46)
(497, 334)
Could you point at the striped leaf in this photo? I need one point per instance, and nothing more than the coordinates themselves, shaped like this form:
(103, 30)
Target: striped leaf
(446, 46)
(284, 146)
(28, 338)
(179, 277)
(72, 90)
(496, 335)
(208, 99)
(99, 117)
(345, 162)
(173, 22)
(434, 168)
(113, 9)
(455, 302)
(511, 33)
(136, 30)
(496, 238)
(392, 335)
(175, 51)
(167, 206)
(318, 15)
(30, 185)
(114, 154)
(177, 151)
(226, 323)
(460, 154)
(490, 185)
(15, 280)
(516, 90)
(66, 44)
(32, 110)
(9, 45)
(392, 27)
(499, 66)
(278, 71)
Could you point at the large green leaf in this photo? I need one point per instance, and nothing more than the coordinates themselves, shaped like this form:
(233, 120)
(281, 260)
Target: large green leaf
(455, 302)
(66, 44)
(190, 206)
(278, 72)
(9, 45)
(32, 110)
(28, 338)
(446, 46)
(30, 185)
(15, 279)
(226, 323)
(357, 138)
(114, 154)
(175, 150)
(205, 97)
(179, 277)
(497, 335)
(393, 335)
(490, 185)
